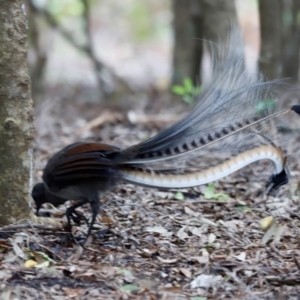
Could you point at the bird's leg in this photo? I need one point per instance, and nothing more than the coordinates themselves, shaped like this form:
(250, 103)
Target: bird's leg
(71, 213)
(95, 206)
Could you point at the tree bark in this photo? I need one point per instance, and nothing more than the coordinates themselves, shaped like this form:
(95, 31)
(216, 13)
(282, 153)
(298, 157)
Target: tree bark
(16, 114)
(219, 18)
(291, 41)
(197, 17)
(270, 31)
(183, 41)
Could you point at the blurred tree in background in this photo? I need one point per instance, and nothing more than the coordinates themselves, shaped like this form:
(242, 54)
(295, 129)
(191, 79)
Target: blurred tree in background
(16, 115)
(54, 14)
(107, 34)
(196, 21)
(128, 45)
(270, 48)
(290, 31)
(210, 21)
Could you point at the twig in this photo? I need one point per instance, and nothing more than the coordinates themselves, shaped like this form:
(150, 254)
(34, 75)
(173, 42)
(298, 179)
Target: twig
(54, 24)
(98, 66)
(105, 117)
(49, 250)
(296, 262)
(87, 49)
(24, 226)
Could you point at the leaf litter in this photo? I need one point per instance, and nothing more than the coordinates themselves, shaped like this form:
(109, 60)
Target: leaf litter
(219, 241)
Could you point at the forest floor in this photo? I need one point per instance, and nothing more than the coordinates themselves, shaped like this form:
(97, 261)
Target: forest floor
(209, 242)
(152, 244)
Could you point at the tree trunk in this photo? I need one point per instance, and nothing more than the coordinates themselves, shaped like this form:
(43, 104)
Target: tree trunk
(183, 41)
(270, 31)
(197, 17)
(219, 18)
(16, 114)
(291, 41)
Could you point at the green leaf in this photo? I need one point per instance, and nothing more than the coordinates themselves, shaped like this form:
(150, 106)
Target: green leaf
(242, 207)
(179, 196)
(44, 264)
(188, 85)
(268, 104)
(130, 288)
(125, 272)
(60, 8)
(188, 99)
(209, 246)
(197, 90)
(287, 18)
(46, 257)
(209, 193)
(139, 19)
(178, 90)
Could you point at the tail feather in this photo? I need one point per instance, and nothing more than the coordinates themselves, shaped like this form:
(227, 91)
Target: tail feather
(181, 147)
(231, 101)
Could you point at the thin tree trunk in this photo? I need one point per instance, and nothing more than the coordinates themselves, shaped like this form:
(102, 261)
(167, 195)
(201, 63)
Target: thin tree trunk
(291, 41)
(16, 114)
(270, 30)
(219, 18)
(197, 17)
(183, 41)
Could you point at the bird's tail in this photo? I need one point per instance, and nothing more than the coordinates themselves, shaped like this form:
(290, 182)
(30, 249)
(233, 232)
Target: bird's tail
(230, 127)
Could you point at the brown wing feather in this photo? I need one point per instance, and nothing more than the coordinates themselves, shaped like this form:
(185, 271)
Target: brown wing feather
(79, 148)
(82, 160)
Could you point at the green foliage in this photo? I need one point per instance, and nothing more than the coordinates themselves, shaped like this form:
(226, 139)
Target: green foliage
(130, 288)
(179, 196)
(244, 208)
(140, 19)
(268, 104)
(187, 90)
(125, 272)
(209, 246)
(145, 20)
(60, 9)
(209, 193)
(287, 18)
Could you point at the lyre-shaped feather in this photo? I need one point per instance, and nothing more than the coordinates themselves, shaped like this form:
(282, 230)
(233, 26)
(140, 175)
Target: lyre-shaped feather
(233, 100)
(231, 118)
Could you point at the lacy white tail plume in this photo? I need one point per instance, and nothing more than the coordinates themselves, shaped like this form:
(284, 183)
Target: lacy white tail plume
(231, 121)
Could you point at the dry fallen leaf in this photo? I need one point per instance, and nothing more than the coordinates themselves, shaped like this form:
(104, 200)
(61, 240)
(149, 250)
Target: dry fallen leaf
(167, 261)
(206, 281)
(73, 293)
(18, 251)
(211, 238)
(199, 231)
(267, 222)
(181, 233)
(75, 257)
(159, 229)
(241, 256)
(145, 252)
(276, 231)
(186, 272)
(107, 220)
(191, 212)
